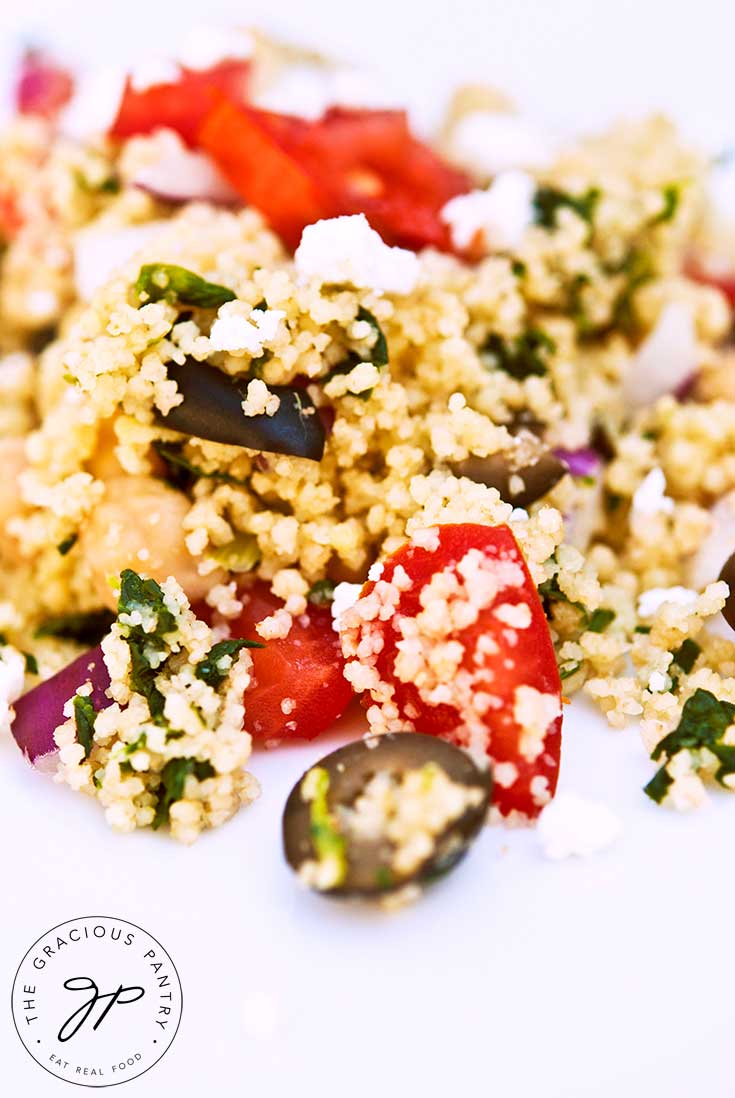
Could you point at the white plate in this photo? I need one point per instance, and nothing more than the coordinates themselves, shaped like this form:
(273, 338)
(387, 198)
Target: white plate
(515, 976)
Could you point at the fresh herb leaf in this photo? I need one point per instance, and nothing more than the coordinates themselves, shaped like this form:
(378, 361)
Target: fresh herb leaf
(31, 663)
(384, 877)
(659, 785)
(211, 669)
(638, 269)
(86, 628)
(242, 554)
(518, 267)
(671, 195)
(178, 286)
(704, 721)
(522, 357)
(109, 185)
(183, 473)
(137, 745)
(599, 620)
(549, 200)
(148, 650)
(379, 351)
(67, 544)
(569, 669)
(686, 655)
(329, 844)
(173, 780)
(84, 718)
(322, 593)
(642, 629)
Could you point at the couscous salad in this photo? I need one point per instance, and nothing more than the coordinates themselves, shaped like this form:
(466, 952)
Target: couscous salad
(301, 409)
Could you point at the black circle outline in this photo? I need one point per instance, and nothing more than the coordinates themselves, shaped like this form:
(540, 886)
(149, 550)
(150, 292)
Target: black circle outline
(73, 1082)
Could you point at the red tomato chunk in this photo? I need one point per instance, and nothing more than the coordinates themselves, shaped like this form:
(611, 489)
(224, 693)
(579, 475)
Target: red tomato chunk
(299, 689)
(452, 640)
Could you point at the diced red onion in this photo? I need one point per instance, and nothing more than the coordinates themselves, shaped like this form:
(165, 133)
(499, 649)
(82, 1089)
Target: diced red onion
(41, 710)
(665, 360)
(584, 462)
(43, 86)
(181, 175)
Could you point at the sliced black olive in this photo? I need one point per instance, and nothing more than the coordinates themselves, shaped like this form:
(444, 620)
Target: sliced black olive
(212, 409)
(320, 819)
(522, 475)
(728, 575)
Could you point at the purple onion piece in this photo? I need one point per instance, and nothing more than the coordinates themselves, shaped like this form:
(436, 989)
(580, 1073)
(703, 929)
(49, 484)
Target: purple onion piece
(41, 710)
(684, 390)
(584, 462)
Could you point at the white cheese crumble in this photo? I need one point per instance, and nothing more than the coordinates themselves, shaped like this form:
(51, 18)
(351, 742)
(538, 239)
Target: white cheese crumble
(345, 596)
(260, 400)
(309, 90)
(375, 571)
(650, 496)
(153, 71)
(490, 142)
(651, 601)
(657, 682)
(500, 215)
(98, 253)
(12, 675)
(239, 334)
(572, 825)
(666, 358)
(347, 250)
(95, 103)
(205, 46)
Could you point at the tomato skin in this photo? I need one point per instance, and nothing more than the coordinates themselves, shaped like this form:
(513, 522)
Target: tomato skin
(44, 87)
(180, 106)
(305, 667)
(723, 281)
(531, 656)
(350, 161)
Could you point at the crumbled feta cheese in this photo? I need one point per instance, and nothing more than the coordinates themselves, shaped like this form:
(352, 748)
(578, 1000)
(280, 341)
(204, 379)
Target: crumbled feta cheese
(309, 90)
(95, 103)
(666, 358)
(657, 682)
(152, 71)
(651, 601)
(375, 571)
(99, 252)
(650, 496)
(345, 596)
(490, 142)
(205, 46)
(572, 825)
(500, 215)
(238, 334)
(347, 250)
(12, 674)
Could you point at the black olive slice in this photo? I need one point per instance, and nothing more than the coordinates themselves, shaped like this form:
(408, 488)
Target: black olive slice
(522, 474)
(212, 409)
(321, 819)
(727, 574)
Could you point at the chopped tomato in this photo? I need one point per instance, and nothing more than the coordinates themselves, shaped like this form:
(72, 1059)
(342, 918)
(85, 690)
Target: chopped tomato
(723, 280)
(299, 689)
(43, 86)
(180, 106)
(349, 161)
(452, 640)
(10, 218)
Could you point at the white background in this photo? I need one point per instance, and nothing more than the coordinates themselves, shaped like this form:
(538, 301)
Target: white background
(516, 976)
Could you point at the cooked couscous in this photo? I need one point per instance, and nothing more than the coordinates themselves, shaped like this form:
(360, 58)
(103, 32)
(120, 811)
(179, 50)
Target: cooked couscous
(266, 364)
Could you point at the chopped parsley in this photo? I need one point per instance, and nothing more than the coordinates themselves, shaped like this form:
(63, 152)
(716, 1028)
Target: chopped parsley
(686, 655)
(144, 598)
(86, 628)
(84, 718)
(522, 357)
(549, 200)
(109, 185)
(642, 629)
(178, 286)
(704, 721)
(183, 473)
(68, 543)
(568, 669)
(215, 666)
(671, 195)
(378, 354)
(329, 845)
(638, 270)
(322, 593)
(599, 620)
(173, 780)
(31, 663)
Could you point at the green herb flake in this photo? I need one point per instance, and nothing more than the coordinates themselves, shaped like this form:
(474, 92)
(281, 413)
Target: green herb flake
(215, 666)
(137, 745)
(242, 554)
(523, 357)
(671, 197)
(84, 718)
(379, 351)
(173, 781)
(549, 200)
(599, 620)
(322, 593)
(642, 629)
(31, 663)
(178, 286)
(329, 845)
(184, 473)
(659, 785)
(68, 543)
(568, 669)
(704, 721)
(147, 647)
(686, 656)
(86, 628)
(384, 878)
